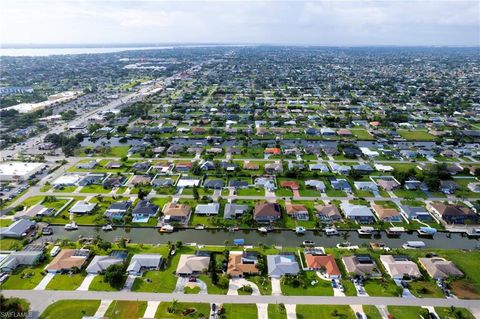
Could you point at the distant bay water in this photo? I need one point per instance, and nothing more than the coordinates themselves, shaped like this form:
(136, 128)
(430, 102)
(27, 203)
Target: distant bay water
(70, 51)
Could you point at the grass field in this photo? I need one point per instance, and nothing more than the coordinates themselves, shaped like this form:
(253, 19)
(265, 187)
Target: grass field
(416, 135)
(240, 311)
(321, 288)
(425, 289)
(24, 278)
(180, 308)
(66, 282)
(97, 189)
(71, 309)
(123, 309)
(324, 312)
(276, 311)
(377, 288)
(449, 313)
(404, 312)
(372, 312)
(98, 284)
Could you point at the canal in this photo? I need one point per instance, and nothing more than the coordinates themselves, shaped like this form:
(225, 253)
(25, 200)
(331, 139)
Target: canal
(278, 238)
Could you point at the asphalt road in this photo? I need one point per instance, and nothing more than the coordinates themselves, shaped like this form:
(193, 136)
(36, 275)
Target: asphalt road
(40, 299)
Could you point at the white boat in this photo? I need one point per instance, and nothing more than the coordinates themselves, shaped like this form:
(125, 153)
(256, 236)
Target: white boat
(263, 230)
(167, 228)
(71, 226)
(347, 245)
(413, 244)
(365, 230)
(308, 243)
(331, 231)
(107, 227)
(199, 227)
(55, 250)
(300, 230)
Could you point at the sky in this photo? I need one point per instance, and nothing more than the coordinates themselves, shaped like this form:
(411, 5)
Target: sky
(341, 22)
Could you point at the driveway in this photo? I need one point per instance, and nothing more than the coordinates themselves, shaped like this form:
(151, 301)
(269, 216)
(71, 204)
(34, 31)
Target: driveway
(237, 283)
(291, 311)
(86, 282)
(262, 309)
(151, 309)
(129, 282)
(276, 288)
(43, 284)
(104, 304)
(358, 309)
(183, 282)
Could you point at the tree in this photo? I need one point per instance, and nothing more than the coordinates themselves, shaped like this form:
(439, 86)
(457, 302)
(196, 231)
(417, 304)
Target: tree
(115, 275)
(13, 308)
(196, 196)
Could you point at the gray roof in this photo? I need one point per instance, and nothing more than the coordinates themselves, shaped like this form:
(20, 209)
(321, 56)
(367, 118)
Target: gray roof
(356, 210)
(17, 228)
(140, 261)
(101, 263)
(19, 258)
(234, 209)
(207, 209)
(279, 265)
(82, 207)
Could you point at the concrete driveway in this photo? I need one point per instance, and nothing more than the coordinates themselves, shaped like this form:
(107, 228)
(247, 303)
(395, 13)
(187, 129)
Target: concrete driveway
(43, 284)
(276, 288)
(86, 282)
(237, 283)
(183, 282)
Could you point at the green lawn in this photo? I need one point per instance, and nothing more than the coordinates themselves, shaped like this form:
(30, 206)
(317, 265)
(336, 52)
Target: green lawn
(446, 313)
(277, 311)
(211, 288)
(4, 222)
(11, 244)
(362, 134)
(349, 287)
(284, 192)
(324, 312)
(240, 311)
(251, 192)
(98, 284)
(24, 278)
(416, 135)
(97, 189)
(71, 309)
(425, 289)
(321, 288)
(115, 151)
(179, 308)
(123, 309)
(191, 291)
(66, 189)
(377, 288)
(372, 312)
(263, 282)
(405, 312)
(66, 282)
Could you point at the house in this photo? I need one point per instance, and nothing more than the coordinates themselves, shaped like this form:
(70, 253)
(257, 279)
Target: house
(361, 265)
(448, 187)
(144, 210)
(266, 212)
(388, 184)
(400, 267)
(241, 263)
(100, 263)
(415, 185)
(82, 207)
(184, 166)
(229, 167)
(250, 166)
(418, 213)
(141, 167)
(178, 213)
(319, 167)
(322, 262)
(387, 214)
(311, 131)
(453, 214)
(117, 210)
(368, 152)
(207, 209)
(144, 262)
(192, 264)
(290, 184)
(366, 186)
(163, 168)
(9, 261)
(326, 131)
(361, 214)
(17, 229)
(139, 180)
(344, 132)
(266, 182)
(341, 185)
(383, 168)
(363, 168)
(87, 165)
(114, 165)
(328, 213)
(439, 268)
(238, 184)
(273, 168)
(66, 180)
(188, 182)
(92, 179)
(273, 151)
(281, 265)
(340, 169)
(234, 210)
(207, 166)
(318, 185)
(37, 211)
(163, 182)
(174, 149)
(214, 183)
(67, 259)
(296, 211)
(114, 181)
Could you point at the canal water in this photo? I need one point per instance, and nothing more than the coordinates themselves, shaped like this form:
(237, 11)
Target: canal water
(253, 237)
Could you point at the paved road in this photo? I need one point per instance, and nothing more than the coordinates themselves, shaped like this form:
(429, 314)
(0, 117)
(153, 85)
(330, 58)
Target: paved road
(40, 299)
